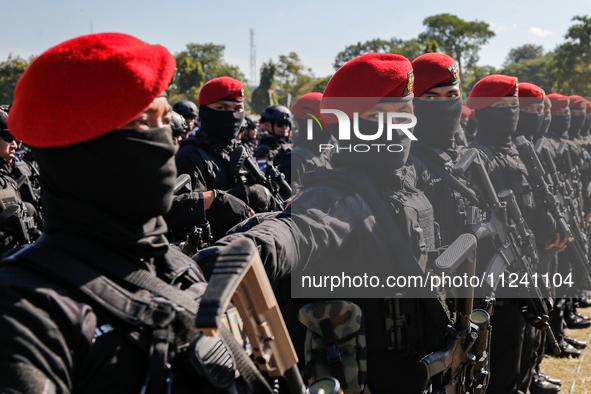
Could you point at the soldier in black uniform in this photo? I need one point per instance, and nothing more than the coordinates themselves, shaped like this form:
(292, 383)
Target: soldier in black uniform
(249, 134)
(438, 107)
(334, 221)
(23, 227)
(69, 320)
(496, 104)
(207, 157)
(188, 110)
(313, 144)
(279, 125)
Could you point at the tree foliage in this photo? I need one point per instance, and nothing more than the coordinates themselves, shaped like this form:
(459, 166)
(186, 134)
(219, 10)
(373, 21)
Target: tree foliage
(411, 49)
(293, 77)
(532, 70)
(570, 70)
(320, 84)
(524, 52)
(456, 37)
(196, 65)
(260, 96)
(10, 71)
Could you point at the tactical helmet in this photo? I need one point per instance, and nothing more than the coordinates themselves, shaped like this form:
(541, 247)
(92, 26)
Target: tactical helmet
(277, 113)
(3, 118)
(178, 124)
(265, 116)
(251, 122)
(186, 108)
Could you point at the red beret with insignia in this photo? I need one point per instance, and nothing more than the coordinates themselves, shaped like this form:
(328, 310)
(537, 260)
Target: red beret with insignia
(225, 88)
(558, 101)
(362, 82)
(86, 87)
(434, 70)
(577, 102)
(529, 94)
(308, 103)
(466, 111)
(491, 89)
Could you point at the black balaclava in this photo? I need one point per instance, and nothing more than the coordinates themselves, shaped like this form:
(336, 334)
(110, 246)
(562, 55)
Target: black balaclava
(496, 124)
(586, 128)
(112, 189)
(544, 127)
(222, 126)
(437, 121)
(559, 125)
(378, 165)
(529, 124)
(576, 122)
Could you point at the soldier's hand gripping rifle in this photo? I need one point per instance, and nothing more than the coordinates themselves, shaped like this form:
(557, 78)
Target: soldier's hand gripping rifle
(239, 276)
(462, 366)
(507, 233)
(272, 179)
(536, 177)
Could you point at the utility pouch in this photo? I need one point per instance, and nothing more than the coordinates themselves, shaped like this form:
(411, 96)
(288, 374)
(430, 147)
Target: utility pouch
(335, 343)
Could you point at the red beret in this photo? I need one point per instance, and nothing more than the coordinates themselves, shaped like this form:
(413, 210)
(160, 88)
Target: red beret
(588, 106)
(221, 88)
(368, 79)
(577, 102)
(490, 89)
(308, 103)
(558, 102)
(466, 111)
(434, 70)
(529, 94)
(86, 87)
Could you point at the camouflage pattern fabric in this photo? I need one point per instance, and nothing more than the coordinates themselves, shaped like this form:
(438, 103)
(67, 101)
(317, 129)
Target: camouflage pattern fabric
(347, 322)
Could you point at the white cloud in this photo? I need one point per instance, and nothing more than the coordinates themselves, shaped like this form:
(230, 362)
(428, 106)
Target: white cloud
(538, 31)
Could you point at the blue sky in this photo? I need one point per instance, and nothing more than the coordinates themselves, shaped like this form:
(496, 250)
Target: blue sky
(315, 30)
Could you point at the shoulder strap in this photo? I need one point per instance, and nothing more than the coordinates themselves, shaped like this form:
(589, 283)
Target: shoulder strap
(128, 308)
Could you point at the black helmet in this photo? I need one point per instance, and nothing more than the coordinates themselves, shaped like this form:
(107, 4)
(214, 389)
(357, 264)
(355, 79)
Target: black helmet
(3, 120)
(178, 124)
(266, 115)
(251, 122)
(186, 108)
(277, 113)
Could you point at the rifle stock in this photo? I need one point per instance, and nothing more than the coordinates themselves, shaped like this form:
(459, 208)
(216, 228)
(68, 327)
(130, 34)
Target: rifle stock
(239, 276)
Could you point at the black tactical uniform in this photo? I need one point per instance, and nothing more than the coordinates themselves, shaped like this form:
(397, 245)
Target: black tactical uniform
(514, 338)
(270, 145)
(328, 223)
(73, 316)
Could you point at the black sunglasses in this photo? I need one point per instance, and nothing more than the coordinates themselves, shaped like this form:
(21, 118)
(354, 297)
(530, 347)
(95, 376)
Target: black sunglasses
(8, 138)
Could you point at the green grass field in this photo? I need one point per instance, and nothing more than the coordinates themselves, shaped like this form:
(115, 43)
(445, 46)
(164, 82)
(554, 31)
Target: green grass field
(574, 372)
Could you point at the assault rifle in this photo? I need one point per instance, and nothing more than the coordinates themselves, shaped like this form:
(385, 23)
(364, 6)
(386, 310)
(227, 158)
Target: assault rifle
(557, 206)
(239, 276)
(572, 184)
(272, 179)
(195, 238)
(462, 366)
(506, 232)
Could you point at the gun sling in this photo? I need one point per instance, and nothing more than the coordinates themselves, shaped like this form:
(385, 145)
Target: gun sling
(129, 308)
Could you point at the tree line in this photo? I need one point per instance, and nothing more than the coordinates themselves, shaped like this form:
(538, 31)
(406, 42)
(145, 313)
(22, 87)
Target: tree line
(566, 69)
